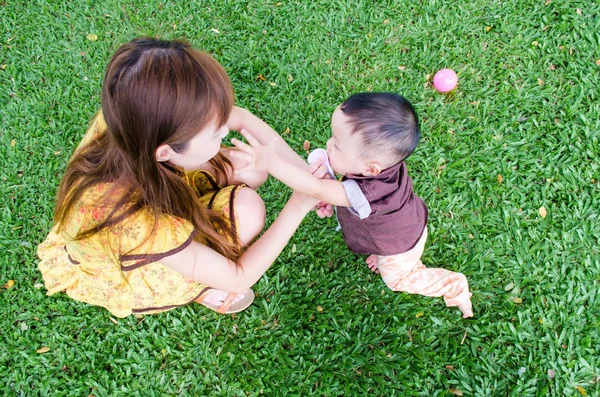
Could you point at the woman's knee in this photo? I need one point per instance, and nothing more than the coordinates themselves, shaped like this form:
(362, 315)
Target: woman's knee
(251, 213)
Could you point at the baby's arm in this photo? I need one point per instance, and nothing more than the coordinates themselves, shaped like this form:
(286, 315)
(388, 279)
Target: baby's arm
(327, 190)
(266, 158)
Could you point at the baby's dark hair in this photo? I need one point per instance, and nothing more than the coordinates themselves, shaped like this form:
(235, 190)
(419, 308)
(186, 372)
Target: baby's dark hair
(387, 123)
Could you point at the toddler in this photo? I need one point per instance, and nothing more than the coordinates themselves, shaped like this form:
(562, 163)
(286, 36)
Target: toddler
(380, 216)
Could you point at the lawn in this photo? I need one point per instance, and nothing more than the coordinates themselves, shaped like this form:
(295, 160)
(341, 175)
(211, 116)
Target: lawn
(508, 166)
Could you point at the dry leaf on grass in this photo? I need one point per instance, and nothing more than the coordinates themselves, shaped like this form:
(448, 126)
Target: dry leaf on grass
(9, 284)
(306, 145)
(319, 309)
(518, 300)
(499, 179)
(543, 211)
(456, 392)
(42, 350)
(464, 337)
(92, 37)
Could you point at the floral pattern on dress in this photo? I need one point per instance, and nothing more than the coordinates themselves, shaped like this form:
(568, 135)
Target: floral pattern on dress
(119, 268)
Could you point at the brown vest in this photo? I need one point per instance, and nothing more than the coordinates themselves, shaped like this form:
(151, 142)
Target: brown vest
(397, 220)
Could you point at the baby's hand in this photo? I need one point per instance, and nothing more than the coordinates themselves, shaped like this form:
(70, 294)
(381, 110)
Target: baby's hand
(256, 155)
(324, 210)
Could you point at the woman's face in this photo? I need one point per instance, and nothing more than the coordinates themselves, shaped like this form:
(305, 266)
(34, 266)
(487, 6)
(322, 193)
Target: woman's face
(201, 148)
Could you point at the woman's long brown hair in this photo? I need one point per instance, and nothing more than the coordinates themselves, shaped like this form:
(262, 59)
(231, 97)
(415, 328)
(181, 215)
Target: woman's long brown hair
(154, 92)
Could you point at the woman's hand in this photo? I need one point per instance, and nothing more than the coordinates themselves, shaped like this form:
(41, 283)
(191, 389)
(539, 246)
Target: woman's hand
(306, 202)
(253, 153)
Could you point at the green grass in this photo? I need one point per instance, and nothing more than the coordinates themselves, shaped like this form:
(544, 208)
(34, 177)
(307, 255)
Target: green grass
(542, 138)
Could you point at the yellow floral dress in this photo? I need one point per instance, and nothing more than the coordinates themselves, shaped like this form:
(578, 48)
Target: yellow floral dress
(92, 270)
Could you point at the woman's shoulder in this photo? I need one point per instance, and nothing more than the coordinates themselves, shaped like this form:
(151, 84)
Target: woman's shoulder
(96, 128)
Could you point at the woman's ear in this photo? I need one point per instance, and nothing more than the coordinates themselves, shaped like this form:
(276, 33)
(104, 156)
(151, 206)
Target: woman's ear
(163, 153)
(372, 169)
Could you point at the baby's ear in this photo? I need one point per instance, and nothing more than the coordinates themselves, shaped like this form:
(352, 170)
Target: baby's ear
(372, 168)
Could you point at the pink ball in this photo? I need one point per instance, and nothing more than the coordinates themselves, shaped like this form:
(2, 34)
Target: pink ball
(445, 80)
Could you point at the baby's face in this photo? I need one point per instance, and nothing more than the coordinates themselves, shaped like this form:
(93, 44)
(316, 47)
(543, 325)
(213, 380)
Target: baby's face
(343, 148)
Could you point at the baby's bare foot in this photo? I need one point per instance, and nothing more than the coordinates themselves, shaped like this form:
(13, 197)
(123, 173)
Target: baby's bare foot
(372, 263)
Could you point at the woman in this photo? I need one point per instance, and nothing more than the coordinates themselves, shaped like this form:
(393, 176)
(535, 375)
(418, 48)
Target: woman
(150, 213)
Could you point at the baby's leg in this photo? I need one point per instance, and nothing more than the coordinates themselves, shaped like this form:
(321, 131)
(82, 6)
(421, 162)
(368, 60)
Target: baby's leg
(417, 279)
(405, 272)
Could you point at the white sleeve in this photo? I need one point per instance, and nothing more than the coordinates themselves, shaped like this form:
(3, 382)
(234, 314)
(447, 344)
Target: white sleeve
(360, 205)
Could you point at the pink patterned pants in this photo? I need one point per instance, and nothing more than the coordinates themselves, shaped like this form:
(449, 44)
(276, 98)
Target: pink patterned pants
(405, 272)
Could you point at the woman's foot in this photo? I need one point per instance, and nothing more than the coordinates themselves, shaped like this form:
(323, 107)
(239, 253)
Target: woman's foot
(226, 302)
(372, 262)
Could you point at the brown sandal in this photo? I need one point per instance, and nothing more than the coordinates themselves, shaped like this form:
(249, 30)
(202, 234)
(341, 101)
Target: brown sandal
(228, 307)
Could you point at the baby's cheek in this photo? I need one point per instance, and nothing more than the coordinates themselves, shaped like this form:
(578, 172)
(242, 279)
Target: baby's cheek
(331, 160)
(333, 164)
